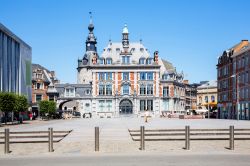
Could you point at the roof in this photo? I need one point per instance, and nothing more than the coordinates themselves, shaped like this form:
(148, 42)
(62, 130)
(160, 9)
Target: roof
(73, 85)
(136, 50)
(168, 65)
(209, 84)
(37, 66)
(242, 50)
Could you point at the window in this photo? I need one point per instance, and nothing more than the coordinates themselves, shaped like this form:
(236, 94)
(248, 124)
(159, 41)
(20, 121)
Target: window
(200, 100)
(109, 105)
(149, 61)
(117, 49)
(109, 61)
(164, 76)
(109, 89)
(206, 99)
(150, 89)
(142, 76)
(101, 76)
(108, 76)
(142, 105)
(101, 105)
(150, 76)
(150, 105)
(125, 89)
(39, 85)
(102, 61)
(141, 49)
(125, 76)
(38, 98)
(51, 97)
(212, 98)
(165, 91)
(70, 92)
(101, 90)
(125, 59)
(87, 92)
(141, 61)
(165, 105)
(39, 75)
(142, 89)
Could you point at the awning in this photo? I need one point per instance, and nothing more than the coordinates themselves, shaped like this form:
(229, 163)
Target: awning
(211, 104)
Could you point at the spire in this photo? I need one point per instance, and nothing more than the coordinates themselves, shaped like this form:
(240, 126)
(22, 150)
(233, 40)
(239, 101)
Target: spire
(125, 29)
(125, 40)
(91, 40)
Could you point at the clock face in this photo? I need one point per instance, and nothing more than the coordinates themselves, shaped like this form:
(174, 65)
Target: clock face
(88, 44)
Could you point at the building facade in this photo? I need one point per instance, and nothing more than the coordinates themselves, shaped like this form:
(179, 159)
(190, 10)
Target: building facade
(233, 82)
(15, 64)
(126, 80)
(207, 97)
(43, 85)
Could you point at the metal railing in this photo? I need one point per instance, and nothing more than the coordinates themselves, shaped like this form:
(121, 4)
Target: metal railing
(231, 134)
(13, 137)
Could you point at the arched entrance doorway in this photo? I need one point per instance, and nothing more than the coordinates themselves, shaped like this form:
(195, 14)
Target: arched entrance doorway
(125, 107)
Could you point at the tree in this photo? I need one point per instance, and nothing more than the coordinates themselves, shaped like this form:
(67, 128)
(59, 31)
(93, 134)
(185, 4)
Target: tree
(47, 108)
(7, 103)
(52, 108)
(21, 103)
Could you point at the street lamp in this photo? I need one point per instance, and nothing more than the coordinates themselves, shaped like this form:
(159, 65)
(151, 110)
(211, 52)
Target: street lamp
(208, 113)
(237, 93)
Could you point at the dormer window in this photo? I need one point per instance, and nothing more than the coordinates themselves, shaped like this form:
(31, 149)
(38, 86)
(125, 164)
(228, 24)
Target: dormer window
(149, 61)
(141, 61)
(125, 59)
(141, 49)
(69, 92)
(102, 61)
(117, 49)
(165, 77)
(109, 49)
(108, 61)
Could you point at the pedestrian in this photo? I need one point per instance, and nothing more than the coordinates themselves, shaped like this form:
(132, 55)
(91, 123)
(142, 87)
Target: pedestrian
(30, 116)
(146, 115)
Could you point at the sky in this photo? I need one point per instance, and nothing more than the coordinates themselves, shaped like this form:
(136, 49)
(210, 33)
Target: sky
(191, 34)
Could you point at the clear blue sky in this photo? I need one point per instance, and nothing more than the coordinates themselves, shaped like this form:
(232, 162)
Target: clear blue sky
(189, 33)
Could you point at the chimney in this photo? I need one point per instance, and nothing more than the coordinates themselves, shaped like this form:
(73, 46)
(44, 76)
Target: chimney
(156, 56)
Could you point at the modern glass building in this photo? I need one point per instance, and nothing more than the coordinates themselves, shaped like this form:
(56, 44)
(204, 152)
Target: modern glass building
(15, 64)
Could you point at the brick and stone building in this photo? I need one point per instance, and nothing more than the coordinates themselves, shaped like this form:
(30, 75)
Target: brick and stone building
(233, 82)
(124, 80)
(43, 85)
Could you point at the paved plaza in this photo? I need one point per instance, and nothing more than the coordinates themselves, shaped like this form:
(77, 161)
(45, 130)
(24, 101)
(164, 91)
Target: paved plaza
(115, 138)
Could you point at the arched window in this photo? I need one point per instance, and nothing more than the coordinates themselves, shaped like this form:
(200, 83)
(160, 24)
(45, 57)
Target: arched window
(125, 89)
(206, 99)
(212, 98)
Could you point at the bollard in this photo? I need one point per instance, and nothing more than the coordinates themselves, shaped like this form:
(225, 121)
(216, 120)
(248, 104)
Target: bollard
(6, 141)
(96, 139)
(142, 140)
(51, 140)
(231, 138)
(187, 137)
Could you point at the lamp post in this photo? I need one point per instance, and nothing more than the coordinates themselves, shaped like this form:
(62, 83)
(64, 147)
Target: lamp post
(208, 113)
